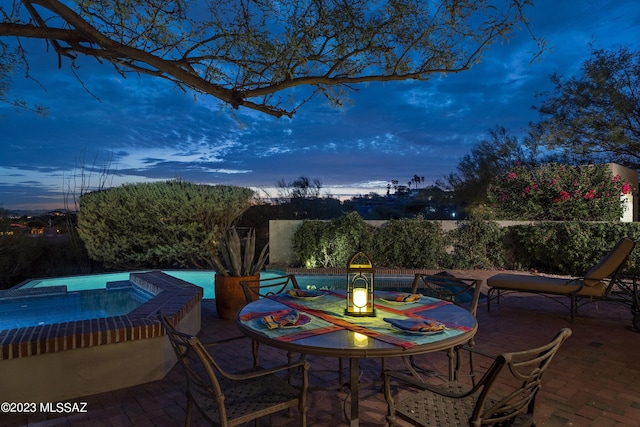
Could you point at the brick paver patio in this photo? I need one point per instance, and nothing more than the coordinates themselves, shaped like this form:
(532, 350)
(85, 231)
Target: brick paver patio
(593, 381)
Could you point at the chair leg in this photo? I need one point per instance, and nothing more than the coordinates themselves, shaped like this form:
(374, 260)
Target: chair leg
(458, 363)
(391, 409)
(453, 364)
(187, 419)
(254, 351)
(472, 370)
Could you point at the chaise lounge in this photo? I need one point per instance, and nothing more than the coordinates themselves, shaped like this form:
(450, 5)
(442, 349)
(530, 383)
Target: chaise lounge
(600, 283)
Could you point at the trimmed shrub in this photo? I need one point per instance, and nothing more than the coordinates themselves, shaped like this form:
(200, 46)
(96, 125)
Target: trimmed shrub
(156, 225)
(477, 244)
(409, 243)
(329, 244)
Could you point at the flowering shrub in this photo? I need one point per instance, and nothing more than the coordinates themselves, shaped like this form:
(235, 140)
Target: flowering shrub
(559, 192)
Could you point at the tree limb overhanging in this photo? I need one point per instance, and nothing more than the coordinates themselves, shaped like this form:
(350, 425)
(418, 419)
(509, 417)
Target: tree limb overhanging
(250, 53)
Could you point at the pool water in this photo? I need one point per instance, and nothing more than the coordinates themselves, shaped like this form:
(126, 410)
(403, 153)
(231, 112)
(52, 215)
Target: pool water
(205, 279)
(88, 298)
(35, 310)
(202, 278)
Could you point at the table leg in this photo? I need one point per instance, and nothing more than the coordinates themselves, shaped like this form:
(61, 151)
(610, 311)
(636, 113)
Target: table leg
(354, 383)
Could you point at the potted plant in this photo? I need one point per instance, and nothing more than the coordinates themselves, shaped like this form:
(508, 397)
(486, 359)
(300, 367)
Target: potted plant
(234, 260)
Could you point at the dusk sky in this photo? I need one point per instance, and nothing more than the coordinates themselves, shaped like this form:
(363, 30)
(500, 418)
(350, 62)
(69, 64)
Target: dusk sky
(153, 131)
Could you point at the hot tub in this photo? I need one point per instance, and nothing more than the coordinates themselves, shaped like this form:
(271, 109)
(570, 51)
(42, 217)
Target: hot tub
(69, 359)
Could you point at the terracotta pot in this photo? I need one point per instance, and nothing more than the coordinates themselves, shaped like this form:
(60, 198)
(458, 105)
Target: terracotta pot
(229, 295)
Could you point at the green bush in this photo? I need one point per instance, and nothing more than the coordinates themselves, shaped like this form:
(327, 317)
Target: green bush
(409, 243)
(329, 244)
(570, 247)
(477, 244)
(557, 192)
(156, 225)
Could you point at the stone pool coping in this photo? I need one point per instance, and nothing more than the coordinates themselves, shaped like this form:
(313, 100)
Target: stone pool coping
(172, 296)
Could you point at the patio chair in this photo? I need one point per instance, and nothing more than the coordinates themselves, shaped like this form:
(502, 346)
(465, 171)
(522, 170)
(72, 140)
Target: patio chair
(517, 375)
(597, 284)
(231, 399)
(268, 286)
(261, 288)
(460, 291)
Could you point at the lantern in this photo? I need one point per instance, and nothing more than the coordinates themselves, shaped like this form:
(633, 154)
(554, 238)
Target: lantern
(360, 273)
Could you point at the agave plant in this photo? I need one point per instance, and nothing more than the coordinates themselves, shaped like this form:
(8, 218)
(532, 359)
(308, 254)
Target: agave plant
(236, 256)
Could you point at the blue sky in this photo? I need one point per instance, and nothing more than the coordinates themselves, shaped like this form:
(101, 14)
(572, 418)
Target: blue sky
(152, 131)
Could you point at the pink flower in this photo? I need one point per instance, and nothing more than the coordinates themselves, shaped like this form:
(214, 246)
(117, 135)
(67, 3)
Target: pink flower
(616, 178)
(563, 195)
(511, 176)
(626, 188)
(526, 190)
(590, 195)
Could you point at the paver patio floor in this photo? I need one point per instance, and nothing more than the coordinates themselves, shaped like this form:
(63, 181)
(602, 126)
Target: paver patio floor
(594, 380)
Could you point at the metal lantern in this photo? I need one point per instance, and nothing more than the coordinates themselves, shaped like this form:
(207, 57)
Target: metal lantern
(360, 274)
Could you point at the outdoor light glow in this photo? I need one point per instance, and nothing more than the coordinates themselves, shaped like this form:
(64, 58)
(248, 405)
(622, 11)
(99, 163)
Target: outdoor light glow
(360, 298)
(360, 340)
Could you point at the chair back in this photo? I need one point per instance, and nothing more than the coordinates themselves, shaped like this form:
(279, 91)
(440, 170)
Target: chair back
(462, 292)
(202, 382)
(260, 288)
(525, 367)
(612, 263)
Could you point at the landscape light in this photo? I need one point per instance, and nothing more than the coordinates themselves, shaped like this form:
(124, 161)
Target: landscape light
(360, 274)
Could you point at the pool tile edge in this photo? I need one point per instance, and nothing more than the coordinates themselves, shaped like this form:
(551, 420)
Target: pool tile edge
(173, 296)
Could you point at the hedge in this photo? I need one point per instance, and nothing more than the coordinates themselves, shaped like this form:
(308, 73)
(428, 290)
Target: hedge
(562, 247)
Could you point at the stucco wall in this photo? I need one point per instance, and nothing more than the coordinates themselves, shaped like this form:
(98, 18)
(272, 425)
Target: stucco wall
(630, 200)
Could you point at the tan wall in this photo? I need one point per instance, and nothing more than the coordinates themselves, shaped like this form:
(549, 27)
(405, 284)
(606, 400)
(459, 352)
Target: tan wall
(630, 175)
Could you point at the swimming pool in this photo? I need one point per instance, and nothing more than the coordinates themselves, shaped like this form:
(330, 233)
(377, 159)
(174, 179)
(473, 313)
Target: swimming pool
(97, 353)
(205, 278)
(79, 357)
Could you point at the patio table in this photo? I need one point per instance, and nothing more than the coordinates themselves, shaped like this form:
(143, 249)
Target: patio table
(329, 332)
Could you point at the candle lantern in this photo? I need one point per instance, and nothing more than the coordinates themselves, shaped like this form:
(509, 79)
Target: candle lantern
(360, 274)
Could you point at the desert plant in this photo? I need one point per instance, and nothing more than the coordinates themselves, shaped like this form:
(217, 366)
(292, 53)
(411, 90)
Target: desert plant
(236, 257)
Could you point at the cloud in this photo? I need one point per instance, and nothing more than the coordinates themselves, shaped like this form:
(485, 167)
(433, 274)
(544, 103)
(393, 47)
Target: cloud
(144, 129)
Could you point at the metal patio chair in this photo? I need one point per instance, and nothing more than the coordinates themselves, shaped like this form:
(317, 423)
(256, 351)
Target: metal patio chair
(460, 291)
(261, 288)
(453, 404)
(269, 286)
(231, 399)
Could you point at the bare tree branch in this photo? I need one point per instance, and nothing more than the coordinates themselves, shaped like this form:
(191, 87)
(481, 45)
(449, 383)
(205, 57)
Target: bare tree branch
(255, 53)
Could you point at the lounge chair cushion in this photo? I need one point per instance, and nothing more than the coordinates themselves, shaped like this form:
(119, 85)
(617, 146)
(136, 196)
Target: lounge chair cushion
(609, 263)
(544, 284)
